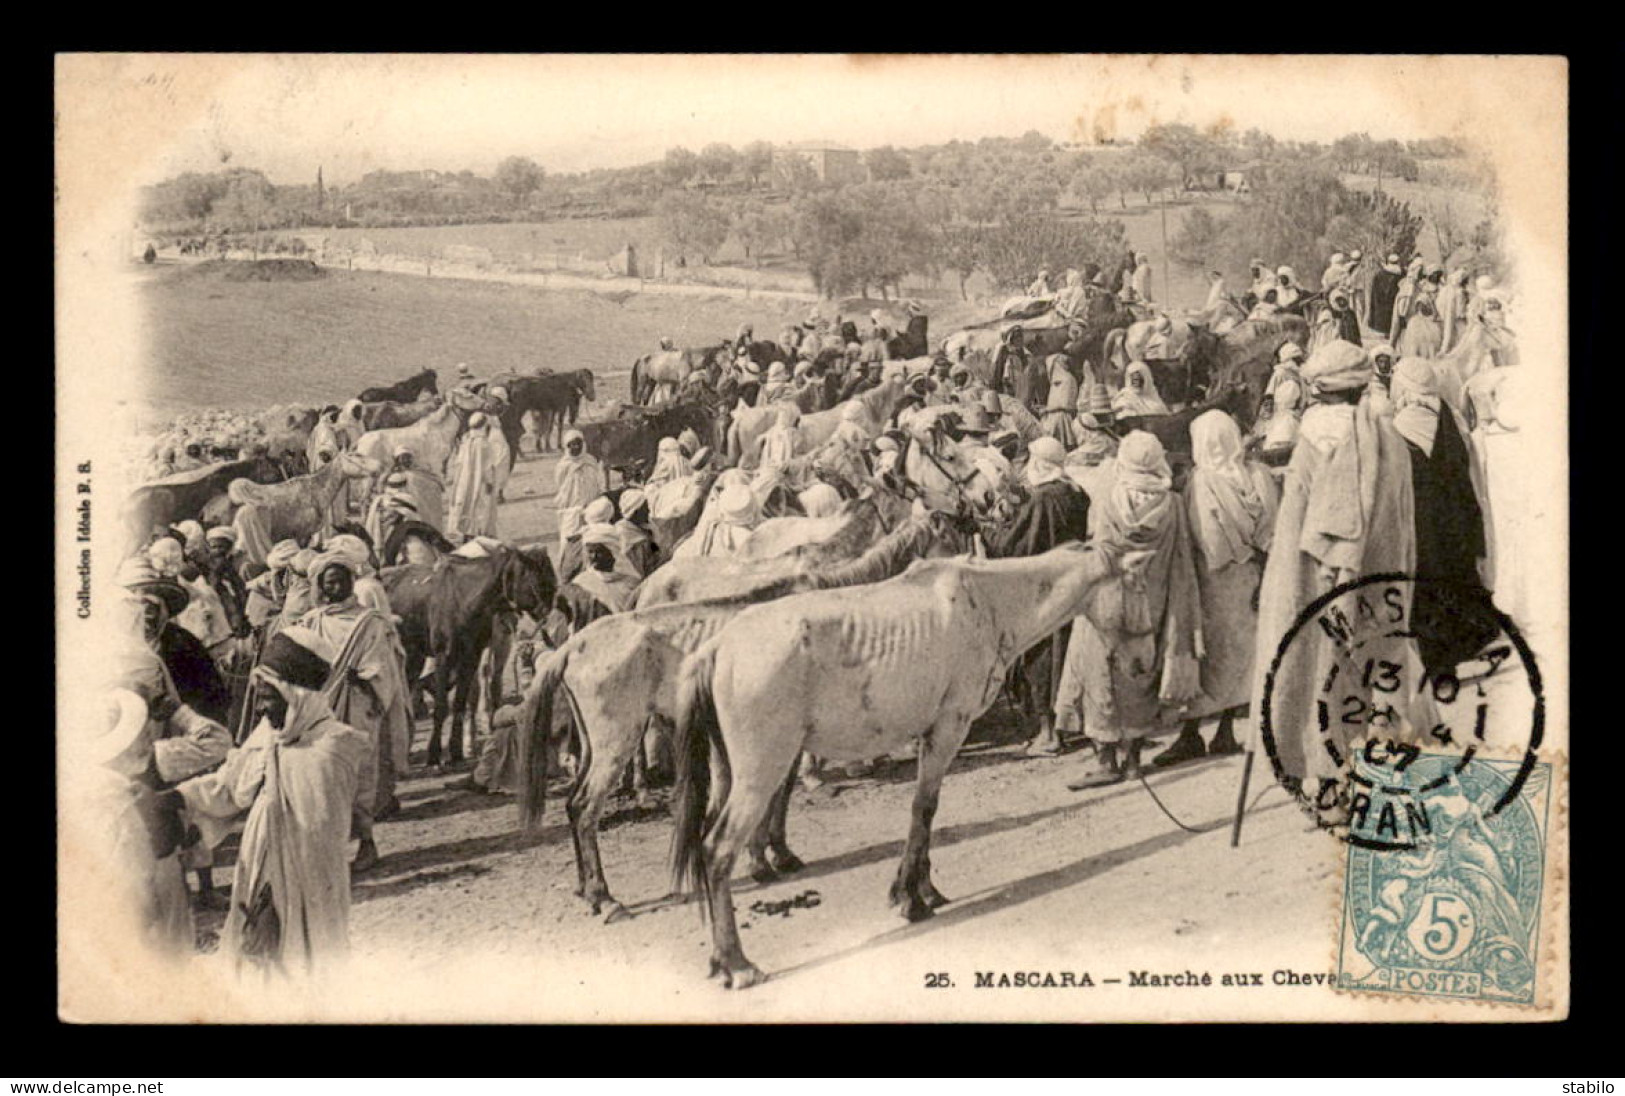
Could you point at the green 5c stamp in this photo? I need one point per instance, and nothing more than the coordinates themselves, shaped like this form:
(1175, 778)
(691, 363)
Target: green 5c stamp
(1456, 914)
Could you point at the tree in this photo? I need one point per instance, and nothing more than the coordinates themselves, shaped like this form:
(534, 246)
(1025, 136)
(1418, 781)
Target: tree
(717, 161)
(800, 176)
(959, 249)
(1091, 184)
(886, 163)
(1183, 146)
(1258, 145)
(756, 161)
(825, 228)
(692, 223)
(1148, 174)
(752, 227)
(1010, 252)
(519, 177)
(679, 166)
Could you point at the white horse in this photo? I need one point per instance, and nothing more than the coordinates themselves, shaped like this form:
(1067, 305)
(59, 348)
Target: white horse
(621, 671)
(847, 674)
(432, 439)
(700, 578)
(750, 423)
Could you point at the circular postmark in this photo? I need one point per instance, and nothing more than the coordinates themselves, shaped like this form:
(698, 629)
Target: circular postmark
(1348, 708)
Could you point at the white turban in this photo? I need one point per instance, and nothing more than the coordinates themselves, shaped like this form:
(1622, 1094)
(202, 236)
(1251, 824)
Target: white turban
(354, 549)
(631, 501)
(599, 511)
(820, 500)
(737, 504)
(281, 554)
(167, 557)
(601, 533)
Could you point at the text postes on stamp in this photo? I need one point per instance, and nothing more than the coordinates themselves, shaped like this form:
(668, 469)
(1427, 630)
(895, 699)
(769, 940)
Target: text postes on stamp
(1458, 915)
(1350, 705)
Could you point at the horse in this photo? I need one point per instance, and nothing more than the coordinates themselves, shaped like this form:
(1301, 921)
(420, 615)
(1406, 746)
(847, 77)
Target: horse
(432, 439)
(402, 391)
(669, 368)
(750, 423)
(633, 436)
(945, 479)
(620, 672)
(765, 352)
(845, 674)
(446, 611)
(189, 495)
(1227, 373)
(691, 579)
(670, 532)
(389, 415)
(913, 342)
(299, 508)
(551, 397)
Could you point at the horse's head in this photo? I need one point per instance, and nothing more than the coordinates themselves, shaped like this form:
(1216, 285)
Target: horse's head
(430, 382)
(1203, 357)
(583, 383)
(355, 466)
(527, 581)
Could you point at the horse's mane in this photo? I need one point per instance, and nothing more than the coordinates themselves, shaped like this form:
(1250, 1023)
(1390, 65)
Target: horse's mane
(853, 512)
(888, 557)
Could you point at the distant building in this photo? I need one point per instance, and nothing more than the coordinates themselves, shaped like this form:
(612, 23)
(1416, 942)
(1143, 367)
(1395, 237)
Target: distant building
(832, 163)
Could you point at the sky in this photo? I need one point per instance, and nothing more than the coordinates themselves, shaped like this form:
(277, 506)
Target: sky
(289, 114)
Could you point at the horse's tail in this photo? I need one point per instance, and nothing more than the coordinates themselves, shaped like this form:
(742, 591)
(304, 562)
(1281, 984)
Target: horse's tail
(637, 380)
(534, 728)
(697, 727)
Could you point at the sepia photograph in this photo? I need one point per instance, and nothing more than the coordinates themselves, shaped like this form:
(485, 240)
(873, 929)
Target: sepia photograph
(811, 538)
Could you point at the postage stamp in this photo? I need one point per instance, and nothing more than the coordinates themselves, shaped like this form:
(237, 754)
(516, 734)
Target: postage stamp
(1458, 914)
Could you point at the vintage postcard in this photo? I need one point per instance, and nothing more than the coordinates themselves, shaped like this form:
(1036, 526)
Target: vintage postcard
(812, 538)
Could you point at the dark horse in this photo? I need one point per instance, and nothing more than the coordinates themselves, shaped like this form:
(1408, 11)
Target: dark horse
(551, 396)
(1226, 373)
(403, 391)
(634, 435)
(388, 416)
(446, 610)
(913, 342)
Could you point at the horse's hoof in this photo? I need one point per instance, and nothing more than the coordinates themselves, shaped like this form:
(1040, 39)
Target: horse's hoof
(617, 912)
(764, 874)
(916, 911)
(745, 977)
(787, 864)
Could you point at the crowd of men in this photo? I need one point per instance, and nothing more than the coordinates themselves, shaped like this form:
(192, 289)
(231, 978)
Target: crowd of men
(269, 697)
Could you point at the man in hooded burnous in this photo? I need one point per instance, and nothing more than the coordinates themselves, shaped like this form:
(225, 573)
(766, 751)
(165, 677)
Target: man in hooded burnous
(367, 688)
(578, 479)
(294, 779)
(1056, 511)
(1346, 511)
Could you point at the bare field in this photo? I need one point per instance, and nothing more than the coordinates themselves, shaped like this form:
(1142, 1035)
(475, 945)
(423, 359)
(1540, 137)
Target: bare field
(214, 343)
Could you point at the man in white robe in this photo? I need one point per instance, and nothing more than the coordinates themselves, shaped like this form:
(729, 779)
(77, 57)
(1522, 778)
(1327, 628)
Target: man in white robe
(294, 778)
(578, 479)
